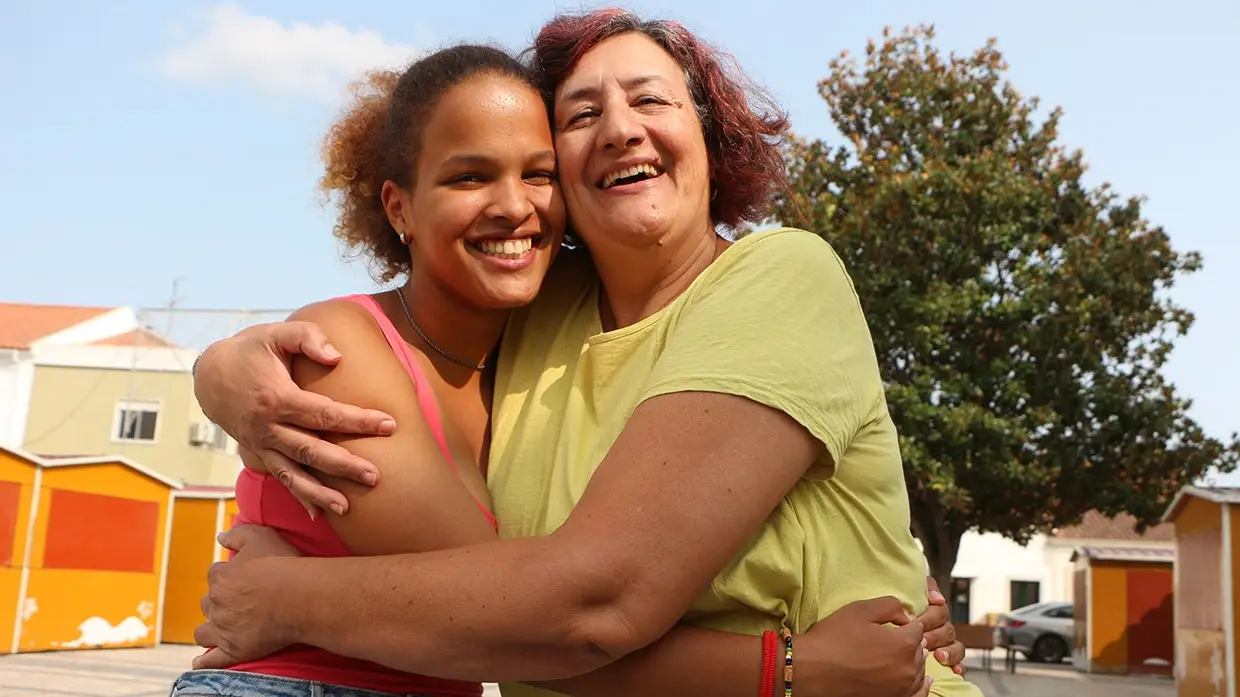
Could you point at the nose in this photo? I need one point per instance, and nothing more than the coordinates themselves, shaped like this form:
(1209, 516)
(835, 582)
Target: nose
(510, 202)
(620, 129)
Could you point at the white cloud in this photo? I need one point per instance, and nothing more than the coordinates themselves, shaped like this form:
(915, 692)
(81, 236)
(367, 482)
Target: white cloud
(225, 45)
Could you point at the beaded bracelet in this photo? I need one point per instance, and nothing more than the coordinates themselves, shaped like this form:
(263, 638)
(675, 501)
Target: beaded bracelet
(787, 662)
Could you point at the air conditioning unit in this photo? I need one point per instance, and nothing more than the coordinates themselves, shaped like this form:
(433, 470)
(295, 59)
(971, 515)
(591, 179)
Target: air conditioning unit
(202, 433)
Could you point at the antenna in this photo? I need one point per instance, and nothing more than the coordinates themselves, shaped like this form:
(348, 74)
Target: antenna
(172, 304)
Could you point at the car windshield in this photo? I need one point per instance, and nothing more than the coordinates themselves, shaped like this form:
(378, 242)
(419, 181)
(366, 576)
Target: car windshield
(1028, 609)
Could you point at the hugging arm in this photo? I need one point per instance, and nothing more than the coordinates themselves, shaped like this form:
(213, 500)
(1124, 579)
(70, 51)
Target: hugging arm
(605, 584)
(418, 484)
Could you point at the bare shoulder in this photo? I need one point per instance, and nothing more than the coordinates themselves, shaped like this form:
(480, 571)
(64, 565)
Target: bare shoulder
(367, 360)
(420, 502)
(344, 322)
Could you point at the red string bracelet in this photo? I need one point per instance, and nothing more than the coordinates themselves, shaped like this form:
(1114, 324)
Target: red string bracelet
(770, 651)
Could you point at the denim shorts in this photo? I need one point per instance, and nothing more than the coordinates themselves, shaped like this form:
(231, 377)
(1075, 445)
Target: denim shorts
(232, 683)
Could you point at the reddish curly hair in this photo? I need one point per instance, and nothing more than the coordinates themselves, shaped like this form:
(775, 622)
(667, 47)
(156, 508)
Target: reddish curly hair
(742, 125)
(378, 137)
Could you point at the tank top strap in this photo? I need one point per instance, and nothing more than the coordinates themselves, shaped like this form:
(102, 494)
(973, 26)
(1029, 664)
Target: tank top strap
(426, 399)
(421, 386)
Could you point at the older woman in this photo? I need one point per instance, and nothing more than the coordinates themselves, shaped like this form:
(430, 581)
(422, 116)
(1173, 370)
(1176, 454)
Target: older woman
(684, 429)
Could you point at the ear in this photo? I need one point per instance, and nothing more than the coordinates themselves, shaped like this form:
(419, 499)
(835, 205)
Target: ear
(397, 204)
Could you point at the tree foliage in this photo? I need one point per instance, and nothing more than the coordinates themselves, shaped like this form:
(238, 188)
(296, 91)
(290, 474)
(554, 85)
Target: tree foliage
(1022, 319)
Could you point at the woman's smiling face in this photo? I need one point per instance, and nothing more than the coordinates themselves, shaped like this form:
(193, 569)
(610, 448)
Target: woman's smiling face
(632, 157)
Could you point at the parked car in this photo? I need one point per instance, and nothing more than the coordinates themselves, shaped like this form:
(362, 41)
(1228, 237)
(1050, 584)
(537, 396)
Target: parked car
(1044, 630)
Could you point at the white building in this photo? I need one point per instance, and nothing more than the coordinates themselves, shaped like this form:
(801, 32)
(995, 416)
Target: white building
(92, 381)
(994, 574)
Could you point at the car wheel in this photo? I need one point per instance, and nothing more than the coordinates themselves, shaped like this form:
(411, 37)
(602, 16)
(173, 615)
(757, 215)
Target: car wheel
(1050, 649)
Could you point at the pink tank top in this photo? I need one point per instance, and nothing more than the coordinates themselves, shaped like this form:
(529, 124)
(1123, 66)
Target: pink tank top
(263, 500)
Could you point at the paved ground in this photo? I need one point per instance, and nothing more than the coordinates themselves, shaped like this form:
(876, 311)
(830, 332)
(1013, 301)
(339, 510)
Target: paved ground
(149, 673)
(1063, 681)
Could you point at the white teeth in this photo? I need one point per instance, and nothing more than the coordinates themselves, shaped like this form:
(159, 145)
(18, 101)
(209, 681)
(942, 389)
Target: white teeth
(511, 249)
(633, 171)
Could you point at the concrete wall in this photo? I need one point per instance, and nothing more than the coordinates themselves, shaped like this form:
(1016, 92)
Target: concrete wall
(74, 411)
(16, 382)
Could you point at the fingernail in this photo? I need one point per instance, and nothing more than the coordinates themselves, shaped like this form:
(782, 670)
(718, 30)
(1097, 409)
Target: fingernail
(924, 643)
(219, 539)
(369, 478)
(314, 513)
(386, 428)
(338, 509)
(911, 617)
(941, 656)
(929, 681)
(937, 597)
(330, 351)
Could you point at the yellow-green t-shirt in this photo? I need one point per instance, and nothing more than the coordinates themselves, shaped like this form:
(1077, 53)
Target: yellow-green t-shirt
(775, 319)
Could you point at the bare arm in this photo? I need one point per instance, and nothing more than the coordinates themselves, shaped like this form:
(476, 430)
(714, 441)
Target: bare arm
(420, 494)
(608, 582)
(423, 504)
(244, 384)
(687, 661)
(841, 656)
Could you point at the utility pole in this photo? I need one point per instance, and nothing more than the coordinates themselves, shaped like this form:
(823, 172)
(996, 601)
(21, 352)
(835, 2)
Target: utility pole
(172, 305)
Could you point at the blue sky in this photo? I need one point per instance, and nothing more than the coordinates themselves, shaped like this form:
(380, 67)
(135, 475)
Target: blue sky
(144, 141)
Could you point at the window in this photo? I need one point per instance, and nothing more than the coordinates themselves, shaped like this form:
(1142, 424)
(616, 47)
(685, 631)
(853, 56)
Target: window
(136, 422)
(1025, 593)
(961, 590)
(1061, 612)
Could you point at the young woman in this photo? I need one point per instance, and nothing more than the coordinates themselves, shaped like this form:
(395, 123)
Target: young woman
(664, 444)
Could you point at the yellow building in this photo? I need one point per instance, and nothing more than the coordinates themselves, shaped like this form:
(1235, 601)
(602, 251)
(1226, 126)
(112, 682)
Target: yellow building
(1207, 537)
(199, 515)
(102, 553)
(78, 381)
(1123, 610)
(94, 558)
(19, 484)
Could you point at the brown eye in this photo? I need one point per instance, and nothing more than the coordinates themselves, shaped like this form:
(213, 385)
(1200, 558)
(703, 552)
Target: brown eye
(540, 178)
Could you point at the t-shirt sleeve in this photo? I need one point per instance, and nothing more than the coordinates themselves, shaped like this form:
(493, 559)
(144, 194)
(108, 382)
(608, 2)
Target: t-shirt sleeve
(781, 325)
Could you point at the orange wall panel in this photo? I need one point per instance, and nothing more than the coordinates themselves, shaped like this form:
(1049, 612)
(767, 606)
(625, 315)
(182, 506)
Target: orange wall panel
(1233, 513)
(16, 469)
(10, 523)
(191, 553)
(90, 609)
(1198, 653)
(1199, 578)
(1196, 515)
(10, 584)
(230, 519)
(22, 472)
(101, 533)
(1108, 600)
(109, 479)
(1151, 628)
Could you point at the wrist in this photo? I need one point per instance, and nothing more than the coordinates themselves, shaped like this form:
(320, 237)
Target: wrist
(814, 675)
(279, 587)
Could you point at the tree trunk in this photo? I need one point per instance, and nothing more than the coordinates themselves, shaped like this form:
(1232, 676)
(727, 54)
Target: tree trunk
(941, 542)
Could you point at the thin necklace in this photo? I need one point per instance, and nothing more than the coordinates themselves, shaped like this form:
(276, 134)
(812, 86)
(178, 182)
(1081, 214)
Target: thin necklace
(404, 305)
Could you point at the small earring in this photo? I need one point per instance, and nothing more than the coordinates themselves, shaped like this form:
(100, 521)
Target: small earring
(404, 238)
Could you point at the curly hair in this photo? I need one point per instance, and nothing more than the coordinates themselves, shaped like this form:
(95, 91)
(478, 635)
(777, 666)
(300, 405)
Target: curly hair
(378, 137)
(742, 125)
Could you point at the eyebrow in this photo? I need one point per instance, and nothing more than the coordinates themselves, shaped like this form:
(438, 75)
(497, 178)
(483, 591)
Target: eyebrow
(589, 91)
(481, 160)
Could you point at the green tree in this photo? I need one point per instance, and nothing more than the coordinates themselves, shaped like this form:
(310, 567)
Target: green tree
(1021, 318)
